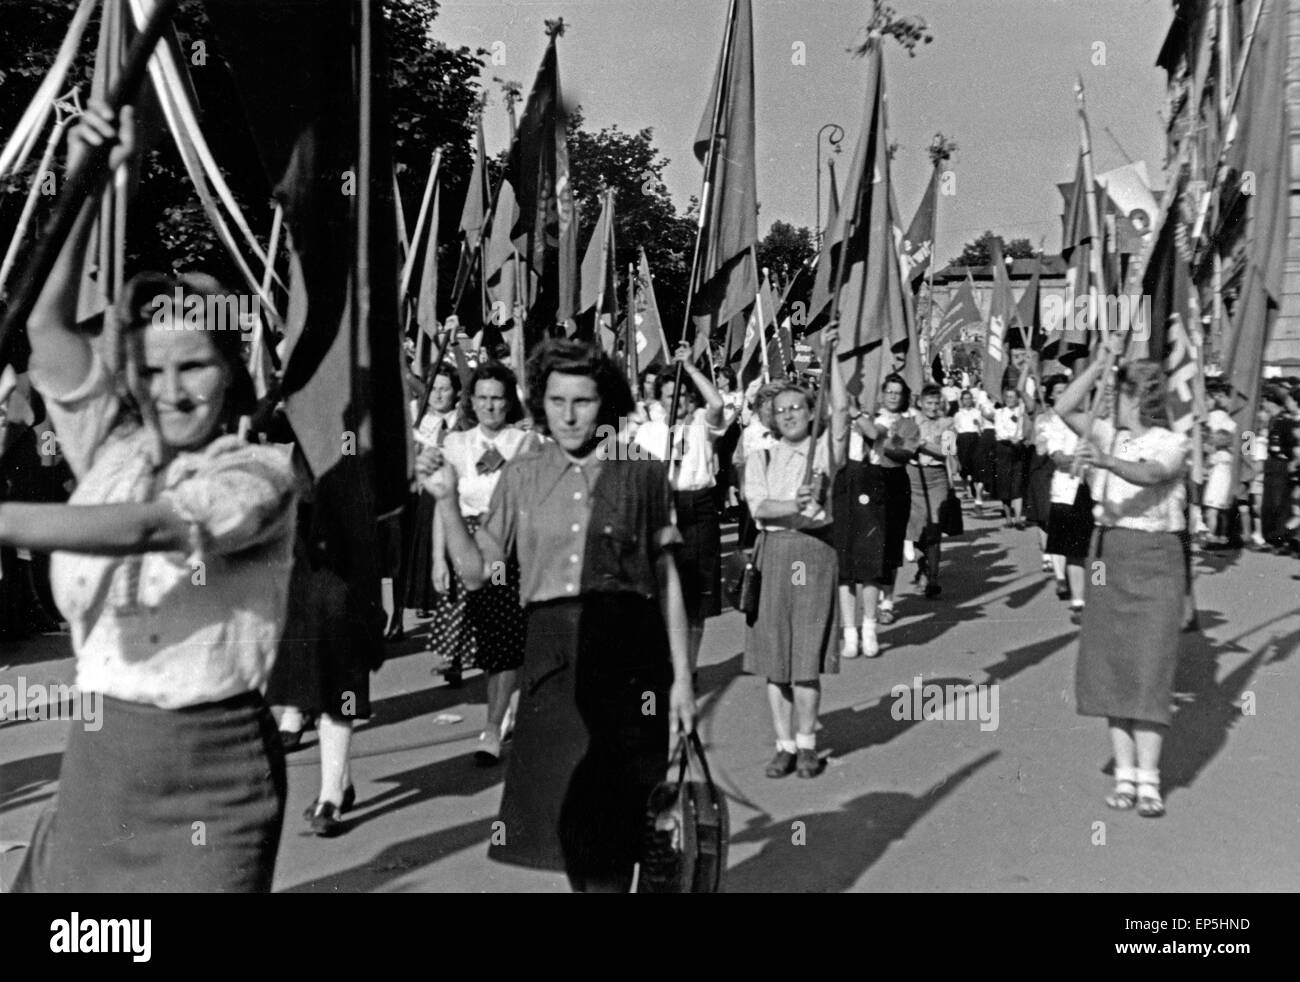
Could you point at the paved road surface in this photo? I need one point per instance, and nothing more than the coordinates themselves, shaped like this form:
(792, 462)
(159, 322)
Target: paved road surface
(902, 805)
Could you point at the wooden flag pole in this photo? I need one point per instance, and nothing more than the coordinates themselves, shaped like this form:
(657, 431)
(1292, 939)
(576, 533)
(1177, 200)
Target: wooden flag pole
(762, 325)
(631, 335)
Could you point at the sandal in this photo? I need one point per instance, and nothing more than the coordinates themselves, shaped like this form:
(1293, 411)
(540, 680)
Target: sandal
(1124, 797)
(1149, 802)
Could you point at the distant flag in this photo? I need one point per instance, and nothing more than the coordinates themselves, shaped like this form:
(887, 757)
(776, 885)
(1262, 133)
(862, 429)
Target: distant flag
(725, 278)
(1070, 338)
(599, 287)
(962, 312)
(758, 331)
(652, 346)
(918, 244)
(1029, 323)
(1002, 312)
(473, 216)
(426, 304)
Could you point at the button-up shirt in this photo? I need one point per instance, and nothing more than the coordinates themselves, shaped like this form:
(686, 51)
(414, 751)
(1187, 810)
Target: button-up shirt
(694, 464)
(778, 473)
(463, 450)
(1008, 423)
(433, 429)
(581, 526)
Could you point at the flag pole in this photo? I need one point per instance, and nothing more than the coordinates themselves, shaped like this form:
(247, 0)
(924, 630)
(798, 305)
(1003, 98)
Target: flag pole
(723, 66)
(631, 335)
(760, 275)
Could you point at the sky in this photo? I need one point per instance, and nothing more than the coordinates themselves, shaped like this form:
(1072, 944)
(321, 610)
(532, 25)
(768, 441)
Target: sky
(998, 79)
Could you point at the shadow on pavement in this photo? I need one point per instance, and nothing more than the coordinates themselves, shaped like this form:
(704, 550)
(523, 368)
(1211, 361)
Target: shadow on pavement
(29, 780)
(399, 859)
(838, 846)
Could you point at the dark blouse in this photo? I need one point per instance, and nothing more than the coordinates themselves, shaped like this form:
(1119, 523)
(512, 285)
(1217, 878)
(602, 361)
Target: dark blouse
(589, 527)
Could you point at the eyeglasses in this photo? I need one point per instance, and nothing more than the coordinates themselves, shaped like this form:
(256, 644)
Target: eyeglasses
(790, 409)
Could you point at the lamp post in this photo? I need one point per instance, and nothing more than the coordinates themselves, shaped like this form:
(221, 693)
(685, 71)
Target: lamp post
(834, 139)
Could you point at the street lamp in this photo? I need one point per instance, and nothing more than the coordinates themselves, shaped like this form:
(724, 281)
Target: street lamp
(836, 135)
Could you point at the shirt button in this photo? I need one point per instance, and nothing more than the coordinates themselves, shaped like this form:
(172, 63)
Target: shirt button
(577, 495)
(573, 558)
(569, 588)
(864, 499)
(577, 527)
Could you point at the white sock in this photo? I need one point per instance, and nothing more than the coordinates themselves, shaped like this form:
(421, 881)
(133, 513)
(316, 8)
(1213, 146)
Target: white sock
(850, 633)
(887, 604)
(789, 746)
(868, 625)
(806, 741)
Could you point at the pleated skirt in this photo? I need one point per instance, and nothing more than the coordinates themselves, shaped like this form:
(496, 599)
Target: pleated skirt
(165, 801)
(795, 637)
(1132, 625)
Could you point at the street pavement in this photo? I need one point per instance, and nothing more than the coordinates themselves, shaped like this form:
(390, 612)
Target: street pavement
(903, 804)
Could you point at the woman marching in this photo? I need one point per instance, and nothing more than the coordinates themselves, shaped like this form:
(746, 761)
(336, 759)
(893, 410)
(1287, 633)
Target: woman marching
(968, 422)
(928, 474)
(171, 563)
(495, 618)
(894, 437)
(605, 673)
(691, 473)
(1128, 645)
(792, 641)
(1069, 513)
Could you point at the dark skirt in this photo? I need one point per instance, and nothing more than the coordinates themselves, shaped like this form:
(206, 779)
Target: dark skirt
(968, 455)
(164, 801)
(986, 459)
(898, 511)
(929, 489)
(416, 587)
(1069, 527)
(1038, 499)
(699, 558)
(327, 647)
(1275, 503)
(858, 504)
(591, 737)
(1132, 625)
(795, 637)
(497, 621)
(1010, 470)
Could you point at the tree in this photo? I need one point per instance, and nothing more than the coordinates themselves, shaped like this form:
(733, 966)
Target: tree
(908, 31)
(784, 249)
(979, 253)
(644, 215)
(433, 94)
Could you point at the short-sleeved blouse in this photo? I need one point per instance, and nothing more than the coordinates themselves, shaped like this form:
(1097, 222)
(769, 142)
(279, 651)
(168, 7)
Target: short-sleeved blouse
(166, 628)
(464, 449)
(589, 526)
(1154, 508)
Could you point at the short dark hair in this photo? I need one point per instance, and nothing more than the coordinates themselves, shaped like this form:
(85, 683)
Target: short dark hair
(893, 378)
(447, 369)
(727, 373)
(560, 355)
(1276, 394)
(931, 389)
(670, 375)
(1051, 382)
(493, 371)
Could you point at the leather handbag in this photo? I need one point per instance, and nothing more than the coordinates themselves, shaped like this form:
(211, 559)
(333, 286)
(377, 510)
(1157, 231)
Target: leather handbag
(746, 581)
(684, 841)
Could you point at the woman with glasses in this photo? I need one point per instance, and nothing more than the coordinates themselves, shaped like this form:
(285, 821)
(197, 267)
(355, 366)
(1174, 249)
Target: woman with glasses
(793, 640)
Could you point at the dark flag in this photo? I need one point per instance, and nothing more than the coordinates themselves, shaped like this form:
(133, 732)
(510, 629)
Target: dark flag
(726, 281)
(962, 312)
(545, 233)
(1002, 312)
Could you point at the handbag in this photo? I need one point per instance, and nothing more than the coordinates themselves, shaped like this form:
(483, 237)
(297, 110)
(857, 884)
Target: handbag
(950, 521)
(746, 581)
(684, 841)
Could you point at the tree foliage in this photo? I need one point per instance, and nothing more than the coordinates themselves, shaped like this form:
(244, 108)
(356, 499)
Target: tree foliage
(979, 251)
(784, 249)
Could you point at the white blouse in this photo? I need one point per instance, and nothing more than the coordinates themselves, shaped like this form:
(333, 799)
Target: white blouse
(464, 449)
(696, 464)
(165, 628)
(1156, 508)
(968, 420)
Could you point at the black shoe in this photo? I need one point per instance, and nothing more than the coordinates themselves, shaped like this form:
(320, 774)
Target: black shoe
(782, 764)
(886, 615)
(810, 765)
(454, 678)
(1062, 590)
(325, 820)
(396, 633)
(424, 614)
(349, 799)
(933, 590)
(1076, 615)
